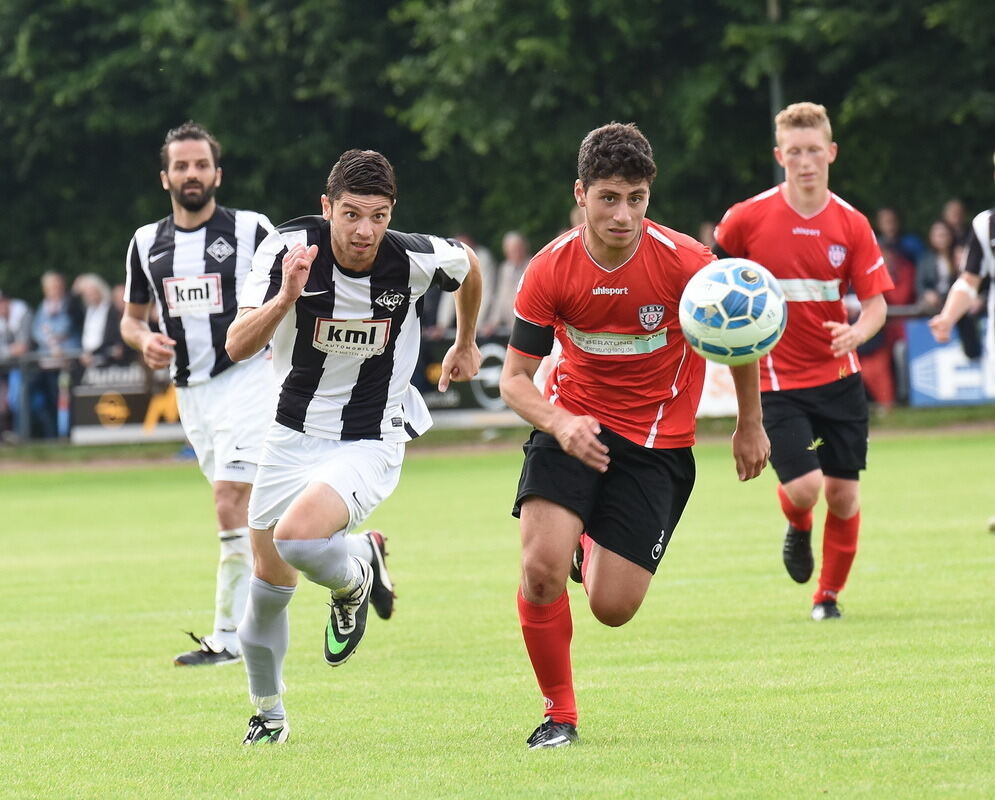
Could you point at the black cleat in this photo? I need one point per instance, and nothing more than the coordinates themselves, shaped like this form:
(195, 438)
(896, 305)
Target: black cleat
(382, 594)
(797, 554)
(347, 622)
(266, 731)
(827, 609)
(205, 655)
(576, 573)
(553, 734)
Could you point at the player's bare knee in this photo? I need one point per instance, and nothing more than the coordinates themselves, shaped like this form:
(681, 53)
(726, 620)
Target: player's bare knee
(542, 584)
(612, 613)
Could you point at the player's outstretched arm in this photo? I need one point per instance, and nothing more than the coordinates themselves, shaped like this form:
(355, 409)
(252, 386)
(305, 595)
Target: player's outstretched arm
(750, 445)
(577, 435)
(847, 338)
(462, 361)
(156, 348)
(254, 327)
(960, 298)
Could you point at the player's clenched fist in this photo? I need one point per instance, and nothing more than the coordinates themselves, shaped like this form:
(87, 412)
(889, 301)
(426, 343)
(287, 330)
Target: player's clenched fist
(296, 268)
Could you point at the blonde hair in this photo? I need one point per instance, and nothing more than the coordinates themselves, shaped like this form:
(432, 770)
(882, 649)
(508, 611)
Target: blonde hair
(804, 115)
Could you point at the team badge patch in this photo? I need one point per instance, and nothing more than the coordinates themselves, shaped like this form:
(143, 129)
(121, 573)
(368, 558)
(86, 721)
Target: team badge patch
(650, 316)
(220, 249)
(390, 300)
(837, 255)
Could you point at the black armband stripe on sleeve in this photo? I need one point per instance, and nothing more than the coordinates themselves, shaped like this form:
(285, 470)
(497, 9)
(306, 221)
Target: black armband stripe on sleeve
(531, 339)
(444, 282)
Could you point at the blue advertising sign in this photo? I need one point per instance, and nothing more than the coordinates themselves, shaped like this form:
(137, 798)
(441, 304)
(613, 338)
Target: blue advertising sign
(941, 375)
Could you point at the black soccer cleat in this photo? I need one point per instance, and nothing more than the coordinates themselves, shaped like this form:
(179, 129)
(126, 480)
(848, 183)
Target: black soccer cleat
(266, 731)
(382, 593)
(797, 554)
(827, 609)
(347, 621)
(576, 564)
(205, 655)
(553, 734)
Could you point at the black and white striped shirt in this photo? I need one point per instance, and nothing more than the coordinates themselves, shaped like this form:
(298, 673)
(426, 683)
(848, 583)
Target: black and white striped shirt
(346, 351)
(195, 276)
(979, 259)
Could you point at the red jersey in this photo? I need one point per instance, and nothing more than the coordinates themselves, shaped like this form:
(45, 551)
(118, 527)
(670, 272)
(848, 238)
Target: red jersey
(815, 259)
(624, 359)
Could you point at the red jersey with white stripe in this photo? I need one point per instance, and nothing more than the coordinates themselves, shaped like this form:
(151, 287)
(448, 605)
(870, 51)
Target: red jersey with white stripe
(815, 259)
(624, 359)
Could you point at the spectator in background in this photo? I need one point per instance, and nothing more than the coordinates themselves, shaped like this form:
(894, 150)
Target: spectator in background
(889, 233)
(56, 335)
(937, 268)
(501, 311)
(878, 354)
(100, 338)
(15, 341)
(954, 213)
(439, 315)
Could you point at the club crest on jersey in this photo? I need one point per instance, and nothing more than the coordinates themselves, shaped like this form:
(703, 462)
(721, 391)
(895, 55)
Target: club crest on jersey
(359, 338)
(193, 295)
(390, 300)
(650, 316)
(837, 255)
(220, 249)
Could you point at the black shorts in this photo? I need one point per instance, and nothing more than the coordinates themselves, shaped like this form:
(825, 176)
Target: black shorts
(821, 427)
(632, 509)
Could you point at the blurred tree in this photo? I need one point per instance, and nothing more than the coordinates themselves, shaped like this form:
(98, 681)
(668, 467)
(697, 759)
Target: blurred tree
(480, 104)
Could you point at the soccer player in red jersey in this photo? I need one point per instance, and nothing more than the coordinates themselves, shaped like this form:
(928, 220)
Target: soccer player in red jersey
(610, 456)
(814, 406)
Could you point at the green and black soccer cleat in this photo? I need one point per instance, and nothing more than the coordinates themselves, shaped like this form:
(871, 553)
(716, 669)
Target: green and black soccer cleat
(347, 621)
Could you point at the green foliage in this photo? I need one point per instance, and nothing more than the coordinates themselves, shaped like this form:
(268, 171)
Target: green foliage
(480, 104)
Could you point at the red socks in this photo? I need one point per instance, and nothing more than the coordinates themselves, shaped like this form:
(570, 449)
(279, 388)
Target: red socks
(586, 543)
(547, 631)
(839, 546)
(801, 518)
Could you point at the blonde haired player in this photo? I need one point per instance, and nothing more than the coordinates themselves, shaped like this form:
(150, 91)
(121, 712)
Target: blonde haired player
(814, 408)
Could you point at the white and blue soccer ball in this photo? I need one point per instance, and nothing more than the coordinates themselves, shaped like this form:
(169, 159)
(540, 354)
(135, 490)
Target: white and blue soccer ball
(733, 311)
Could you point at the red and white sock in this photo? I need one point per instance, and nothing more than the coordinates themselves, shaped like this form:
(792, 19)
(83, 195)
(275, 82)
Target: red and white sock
(839, 546)
(801, 518)
(548, 630)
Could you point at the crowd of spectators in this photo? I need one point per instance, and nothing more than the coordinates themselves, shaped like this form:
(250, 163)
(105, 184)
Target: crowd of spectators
(43, 350)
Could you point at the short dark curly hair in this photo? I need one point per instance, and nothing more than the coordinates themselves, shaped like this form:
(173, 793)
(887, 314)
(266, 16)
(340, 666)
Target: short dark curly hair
(189, 130)
(361, 172)
(615, 150)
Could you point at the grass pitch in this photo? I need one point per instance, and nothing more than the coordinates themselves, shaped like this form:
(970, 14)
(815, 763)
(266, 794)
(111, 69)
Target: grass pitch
(720, 687)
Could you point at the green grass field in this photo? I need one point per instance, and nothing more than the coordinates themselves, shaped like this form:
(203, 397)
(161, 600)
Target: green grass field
(720, 687)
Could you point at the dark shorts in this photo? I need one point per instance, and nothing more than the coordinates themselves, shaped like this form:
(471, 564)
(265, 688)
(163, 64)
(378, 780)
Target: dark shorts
(821, 427)
(632, 509)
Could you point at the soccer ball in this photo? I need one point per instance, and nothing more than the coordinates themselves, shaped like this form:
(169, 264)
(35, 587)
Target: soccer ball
(733, 311)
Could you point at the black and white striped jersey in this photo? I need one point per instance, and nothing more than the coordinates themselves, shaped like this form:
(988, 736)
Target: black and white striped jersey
(345, 353)
(979, 259)
(195, 276)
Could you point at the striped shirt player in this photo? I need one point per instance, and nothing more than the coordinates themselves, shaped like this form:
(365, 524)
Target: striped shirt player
(191, 266)
(345, 353)
(340, 297)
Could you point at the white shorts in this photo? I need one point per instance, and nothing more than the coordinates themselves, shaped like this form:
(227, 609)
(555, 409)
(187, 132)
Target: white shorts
(363, 473)
(227, 417)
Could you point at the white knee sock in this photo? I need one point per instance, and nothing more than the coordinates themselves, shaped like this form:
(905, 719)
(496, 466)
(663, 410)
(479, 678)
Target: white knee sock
(323, 561)
(264, 633)
(234, 570)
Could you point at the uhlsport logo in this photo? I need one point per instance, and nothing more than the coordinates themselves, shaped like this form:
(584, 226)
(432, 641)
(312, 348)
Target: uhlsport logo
(837, 255)
(658, 547)
(194, 295)
(360, 338)
(650, 316)
(610, 290)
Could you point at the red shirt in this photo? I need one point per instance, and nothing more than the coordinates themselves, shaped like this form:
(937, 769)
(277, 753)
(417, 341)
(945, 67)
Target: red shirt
(815, 259)
(624, 358)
